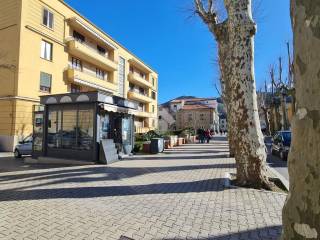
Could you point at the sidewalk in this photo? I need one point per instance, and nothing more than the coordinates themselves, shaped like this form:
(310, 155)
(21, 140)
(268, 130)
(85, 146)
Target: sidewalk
(176, 195)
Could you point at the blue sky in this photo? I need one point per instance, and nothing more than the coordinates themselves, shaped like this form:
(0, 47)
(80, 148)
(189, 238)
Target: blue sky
(179, 47)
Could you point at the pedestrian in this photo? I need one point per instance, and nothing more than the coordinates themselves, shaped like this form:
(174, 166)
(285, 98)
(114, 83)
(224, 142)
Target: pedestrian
(207, 135)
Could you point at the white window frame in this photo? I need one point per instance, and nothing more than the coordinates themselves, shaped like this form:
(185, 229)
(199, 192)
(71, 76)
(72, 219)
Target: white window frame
(46, 50)
(50, 21)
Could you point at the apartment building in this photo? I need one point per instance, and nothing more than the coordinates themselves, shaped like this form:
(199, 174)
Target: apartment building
(197, 116)
(47, 48)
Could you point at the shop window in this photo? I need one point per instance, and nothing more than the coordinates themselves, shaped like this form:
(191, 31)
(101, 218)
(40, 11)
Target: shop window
(54, 128)
(69, 126)
(85, 130)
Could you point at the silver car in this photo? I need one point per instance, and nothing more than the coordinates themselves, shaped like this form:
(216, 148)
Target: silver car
(24, 147)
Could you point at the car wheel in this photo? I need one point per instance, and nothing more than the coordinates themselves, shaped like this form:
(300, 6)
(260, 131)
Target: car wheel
(17, 153)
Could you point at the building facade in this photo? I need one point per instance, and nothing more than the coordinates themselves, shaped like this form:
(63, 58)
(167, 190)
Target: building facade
(166, 122)
(49, 48)
(197, 116)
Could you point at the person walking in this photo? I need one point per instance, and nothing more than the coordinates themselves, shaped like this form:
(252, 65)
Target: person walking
(208, 135)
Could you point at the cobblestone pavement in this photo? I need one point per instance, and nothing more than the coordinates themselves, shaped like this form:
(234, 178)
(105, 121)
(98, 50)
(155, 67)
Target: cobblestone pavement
(176, 195)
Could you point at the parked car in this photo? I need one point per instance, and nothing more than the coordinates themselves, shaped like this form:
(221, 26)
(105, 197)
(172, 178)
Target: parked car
(281, 144)
(24, 147)
(268, 143)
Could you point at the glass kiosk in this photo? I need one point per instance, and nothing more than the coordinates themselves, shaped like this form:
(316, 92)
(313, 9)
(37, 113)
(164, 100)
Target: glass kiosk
(74, 126)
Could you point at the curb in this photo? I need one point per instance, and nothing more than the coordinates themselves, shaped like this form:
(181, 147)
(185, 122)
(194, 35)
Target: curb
(284, 181)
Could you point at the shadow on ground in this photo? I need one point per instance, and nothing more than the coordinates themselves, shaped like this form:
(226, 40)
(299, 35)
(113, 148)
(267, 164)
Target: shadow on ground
(267, 233)
(94, 192)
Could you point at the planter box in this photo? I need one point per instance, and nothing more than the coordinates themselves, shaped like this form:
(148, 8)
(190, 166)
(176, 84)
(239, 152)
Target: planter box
(167, 144)
(180, 141)
(146, 148)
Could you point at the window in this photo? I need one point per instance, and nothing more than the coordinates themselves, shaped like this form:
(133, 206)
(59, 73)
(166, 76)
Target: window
(160, 117)
(131, 86)
(153, 81)
(131, 69)
(78, 37)
(153, 123)
(46, 50)
(202, 117)
(153, 108)
(75, 88)
(100, 73)
(141, 107)
(153, 95)
(47, 18)
(141, 91)
(101, 50)
(142, 75)
(76, 63)
(45, 82)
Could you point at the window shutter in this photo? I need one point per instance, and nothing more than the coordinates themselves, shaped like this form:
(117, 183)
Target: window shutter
(45, 80)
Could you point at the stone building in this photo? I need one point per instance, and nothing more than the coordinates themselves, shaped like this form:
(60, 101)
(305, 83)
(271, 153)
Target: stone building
(197, 116)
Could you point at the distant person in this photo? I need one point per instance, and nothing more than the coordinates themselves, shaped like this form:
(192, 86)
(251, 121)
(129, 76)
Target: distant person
(207, 135)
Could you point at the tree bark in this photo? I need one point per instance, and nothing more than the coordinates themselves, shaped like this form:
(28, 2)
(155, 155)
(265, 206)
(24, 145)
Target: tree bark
(284, 113)
(267, 120)
(235, 49)
(250, 152)
(301, 214)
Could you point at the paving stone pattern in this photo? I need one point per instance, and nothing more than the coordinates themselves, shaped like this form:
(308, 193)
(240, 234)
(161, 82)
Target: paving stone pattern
(176, 195)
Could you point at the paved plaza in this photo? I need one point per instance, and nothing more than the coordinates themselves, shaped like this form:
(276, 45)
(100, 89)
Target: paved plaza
(179, 194)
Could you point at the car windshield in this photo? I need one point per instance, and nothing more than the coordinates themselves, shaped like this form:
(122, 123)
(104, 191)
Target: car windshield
(286, 136)
(28, 139)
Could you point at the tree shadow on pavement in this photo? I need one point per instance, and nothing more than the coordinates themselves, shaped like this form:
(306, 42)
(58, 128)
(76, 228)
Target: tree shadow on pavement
(207, 185)
(266, 233)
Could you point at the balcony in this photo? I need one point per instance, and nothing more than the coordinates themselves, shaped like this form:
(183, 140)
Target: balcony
(90, 54)
(135, 95)
(136, 79)
(143, 114)
(88, 80)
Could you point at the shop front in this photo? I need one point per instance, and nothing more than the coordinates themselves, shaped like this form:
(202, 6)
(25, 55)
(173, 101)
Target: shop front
(91, 127)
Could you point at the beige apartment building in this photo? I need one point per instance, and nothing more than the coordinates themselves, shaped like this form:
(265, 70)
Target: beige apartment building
(47, 47)
(197, 116)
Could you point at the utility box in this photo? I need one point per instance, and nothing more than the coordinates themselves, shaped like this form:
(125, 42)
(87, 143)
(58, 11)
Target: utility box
(157, 145)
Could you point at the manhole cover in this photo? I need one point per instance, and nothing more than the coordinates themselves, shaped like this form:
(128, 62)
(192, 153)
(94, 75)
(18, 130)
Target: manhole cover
(125, 238)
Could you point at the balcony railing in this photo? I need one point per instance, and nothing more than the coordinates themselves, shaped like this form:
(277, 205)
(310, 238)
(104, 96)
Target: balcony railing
(136, 95)
(137, 79)
(90, 80)
(90, 54)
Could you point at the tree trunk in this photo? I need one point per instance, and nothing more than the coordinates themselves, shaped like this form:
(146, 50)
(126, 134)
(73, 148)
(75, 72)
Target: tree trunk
(301, 214)
(284, 113)
(272, 120)
(267, 120)
(235, 45)
(250, 152)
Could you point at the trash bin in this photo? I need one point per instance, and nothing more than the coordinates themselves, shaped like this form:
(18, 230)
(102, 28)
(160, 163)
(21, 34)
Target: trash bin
(157, 145)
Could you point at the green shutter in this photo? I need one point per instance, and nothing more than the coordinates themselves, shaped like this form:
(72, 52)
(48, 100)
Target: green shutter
(45, 80)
